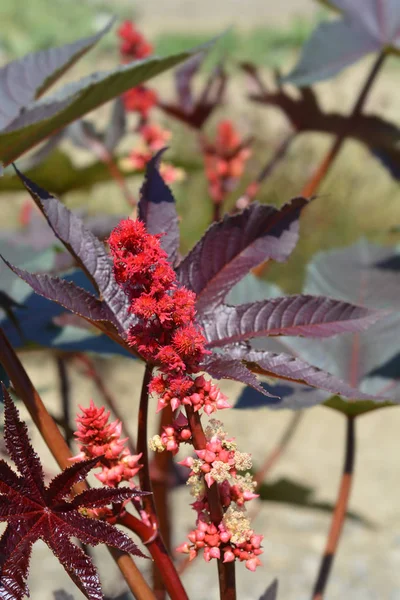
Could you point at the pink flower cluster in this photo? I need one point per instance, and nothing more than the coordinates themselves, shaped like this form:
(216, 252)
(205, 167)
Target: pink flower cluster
(220, 462)
(172, 436)
(97, 437)
(166, 333)
(216, 542)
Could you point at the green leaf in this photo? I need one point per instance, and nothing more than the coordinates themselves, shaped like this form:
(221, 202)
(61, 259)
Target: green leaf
(25, 79)
(47, 115)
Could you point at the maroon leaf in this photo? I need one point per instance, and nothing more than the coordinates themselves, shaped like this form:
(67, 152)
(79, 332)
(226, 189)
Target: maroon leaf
(157, 208)
(232, 247)
(195, 111)
(66, 293)
(35, 511)
(87, 250)
(24, 79)
(284, 366)
(223, 367)
(308, 316)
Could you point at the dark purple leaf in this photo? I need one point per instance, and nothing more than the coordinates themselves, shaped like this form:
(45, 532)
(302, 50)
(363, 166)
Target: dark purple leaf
(223, 367)
(88, 251)
(232, 247)
(290, 368)
(24, 79)
(69, 295)
(366, 26)
(157, 208)
(271, 593)
(35, 511)
(293, 396)
(300, 315)
(100, 497)
(195, 111)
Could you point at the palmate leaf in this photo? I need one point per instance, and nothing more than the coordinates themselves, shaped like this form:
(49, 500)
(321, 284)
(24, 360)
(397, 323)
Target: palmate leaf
(289, 368)
(232, 247)
(35, 511)
(157, 208)
(195, 111)
(362, 359)
(25, 79)
(365, 26)
(87, 250)
(44, 117)
(309, 316)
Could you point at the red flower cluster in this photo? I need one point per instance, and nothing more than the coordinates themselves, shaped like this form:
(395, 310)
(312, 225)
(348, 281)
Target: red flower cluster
(133, 45)
(166, 333)
(220, 463)
(224, 161)
(140, 99)
(97, 437)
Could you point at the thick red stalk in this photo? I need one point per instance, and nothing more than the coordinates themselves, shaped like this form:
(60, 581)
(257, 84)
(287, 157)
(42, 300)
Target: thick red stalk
(59, 449)
(339, 513)
(226, 571)
(157, 550)
(160, 472)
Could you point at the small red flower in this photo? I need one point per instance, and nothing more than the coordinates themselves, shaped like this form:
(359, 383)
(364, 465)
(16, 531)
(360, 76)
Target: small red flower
(133, 43)
(140, 99)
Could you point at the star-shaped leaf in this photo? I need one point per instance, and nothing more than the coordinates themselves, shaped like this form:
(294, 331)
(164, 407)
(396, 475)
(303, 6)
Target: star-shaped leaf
(365, 26)
(36, 511)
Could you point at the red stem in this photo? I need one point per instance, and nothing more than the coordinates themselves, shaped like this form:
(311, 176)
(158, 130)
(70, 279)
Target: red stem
(160, 472)
(157, 550)
(226, 571)
(339, 513)
(313, 184)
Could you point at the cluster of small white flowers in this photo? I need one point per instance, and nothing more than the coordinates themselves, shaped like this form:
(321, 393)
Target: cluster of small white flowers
(220, 471)
(243, 461)
(237, 523)
(156, 444)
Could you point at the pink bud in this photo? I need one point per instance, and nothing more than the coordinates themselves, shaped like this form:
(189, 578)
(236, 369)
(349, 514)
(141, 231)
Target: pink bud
(228, 556)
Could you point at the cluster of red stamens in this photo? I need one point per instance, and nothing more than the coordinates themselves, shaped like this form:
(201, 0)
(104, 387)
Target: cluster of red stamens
(166, 333)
